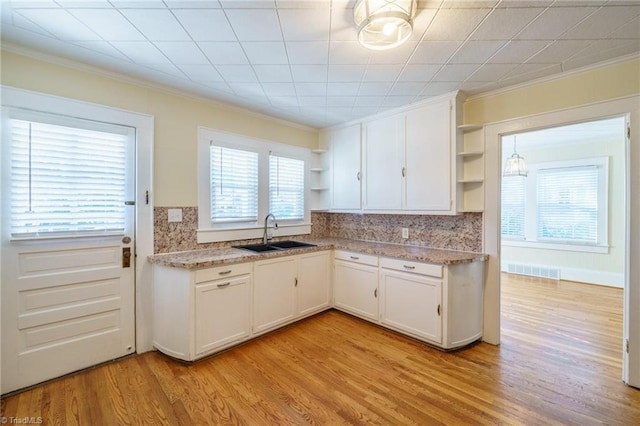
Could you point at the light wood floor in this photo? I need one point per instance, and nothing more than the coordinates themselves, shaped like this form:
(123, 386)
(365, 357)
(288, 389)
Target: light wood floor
(559, 363)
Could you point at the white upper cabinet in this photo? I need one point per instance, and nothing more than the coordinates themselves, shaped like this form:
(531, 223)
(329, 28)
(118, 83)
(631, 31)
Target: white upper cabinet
(346, 169)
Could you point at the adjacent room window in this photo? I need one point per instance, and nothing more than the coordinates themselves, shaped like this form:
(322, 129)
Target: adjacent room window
(286, 188)
(234, 185)
(559, 203)
(66, 180)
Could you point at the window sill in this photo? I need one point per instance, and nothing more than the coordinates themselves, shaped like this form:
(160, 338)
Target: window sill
(556, 246)
(236, 234)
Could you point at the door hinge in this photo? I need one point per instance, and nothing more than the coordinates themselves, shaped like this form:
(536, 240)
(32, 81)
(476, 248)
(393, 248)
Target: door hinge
(146, 196)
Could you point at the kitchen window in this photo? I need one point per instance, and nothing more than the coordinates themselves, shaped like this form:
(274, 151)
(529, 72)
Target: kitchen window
(241, 180)
(560, 205)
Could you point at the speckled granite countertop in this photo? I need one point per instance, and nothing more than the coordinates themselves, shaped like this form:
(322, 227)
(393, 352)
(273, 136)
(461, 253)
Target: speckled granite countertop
(199, 259)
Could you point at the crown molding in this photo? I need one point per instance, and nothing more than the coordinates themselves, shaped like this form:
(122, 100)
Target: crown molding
(123, 78)
(622, 59)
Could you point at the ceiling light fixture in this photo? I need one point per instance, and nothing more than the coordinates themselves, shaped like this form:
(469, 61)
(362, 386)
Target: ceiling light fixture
(384, 24)
(515, 165)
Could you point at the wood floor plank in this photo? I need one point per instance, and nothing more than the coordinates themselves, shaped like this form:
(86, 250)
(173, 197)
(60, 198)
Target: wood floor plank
(560, 362)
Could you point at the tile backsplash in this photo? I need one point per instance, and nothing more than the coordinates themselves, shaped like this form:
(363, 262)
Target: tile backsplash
(462, 232)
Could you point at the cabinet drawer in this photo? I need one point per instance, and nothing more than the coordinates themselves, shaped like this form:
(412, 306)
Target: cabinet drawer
(222, 272)
(413, 267)
(364, 259)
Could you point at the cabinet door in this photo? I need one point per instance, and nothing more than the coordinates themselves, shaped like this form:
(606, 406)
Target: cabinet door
(222, 314)
(384, 153)
(412, 303)
(346, 150)
(355, 289)
(314, 283)
(428, 180)
(273, 293)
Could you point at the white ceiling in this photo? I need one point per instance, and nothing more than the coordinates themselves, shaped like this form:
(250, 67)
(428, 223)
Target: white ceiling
(300, 60)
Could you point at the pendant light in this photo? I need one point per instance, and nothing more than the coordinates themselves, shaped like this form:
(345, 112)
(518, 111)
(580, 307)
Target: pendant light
(384, 24)
(515, 165)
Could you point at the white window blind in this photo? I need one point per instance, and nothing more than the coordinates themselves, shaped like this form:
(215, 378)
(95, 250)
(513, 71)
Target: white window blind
(286, 188)
(567, 201)
(513, 207)
(66, 180)
(234, 185)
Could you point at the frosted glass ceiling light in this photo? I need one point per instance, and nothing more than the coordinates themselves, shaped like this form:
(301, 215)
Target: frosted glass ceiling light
(384, 24)
(515, 165)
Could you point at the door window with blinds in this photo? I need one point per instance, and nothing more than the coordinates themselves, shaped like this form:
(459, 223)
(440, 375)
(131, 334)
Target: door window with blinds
(68, 176)
(241, 180)
(559, 202)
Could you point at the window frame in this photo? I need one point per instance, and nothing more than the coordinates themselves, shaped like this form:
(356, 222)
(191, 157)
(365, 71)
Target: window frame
(531, 240)
(231, 231)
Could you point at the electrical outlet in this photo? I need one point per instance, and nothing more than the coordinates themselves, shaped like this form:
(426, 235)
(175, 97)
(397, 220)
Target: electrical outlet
(174, 215)
(405, 233)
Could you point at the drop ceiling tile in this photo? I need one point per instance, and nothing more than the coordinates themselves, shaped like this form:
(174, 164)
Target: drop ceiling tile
(248, 4)
(255, 24)
(218, 86)
(630, 30)
(141, 52)
(311, 89)
(399, 55)
(182, 52)
(491, 72)
(10, 20)
(602, 50)
(201, 73)
(438, 88)
(382, 72)
(306, 101)
(553, 22)
(273, 73)
(279, 89)
(192, 4)
(237, 73)
(455, 24)
(93, 4)
(469, 4)
(156, 24)
(284, 101)
(455, 72)
(603, 22)
(407, 88)
(369, 101)
(348, 52)
(126, 4)
(526, 3)
(247, 89)
(504, 24)
(303, 4)
(108, 24)
(309, 73)
(59, 23)
(224, 52)
(304, 24)
(473, 87)
(476, 51)
(34, 4)
(421, 22)
(396, 101)
(363, 111)
(308, 52)
(559, 50)
(419, 72)
(342, 26)
(375, 89)
(344, 73)
(265, 52)
(528, 72)
(104, 47)
(346, 89)
(205, 25)
(340, 101)
(518, 51)
(169, 69)
(434, 52)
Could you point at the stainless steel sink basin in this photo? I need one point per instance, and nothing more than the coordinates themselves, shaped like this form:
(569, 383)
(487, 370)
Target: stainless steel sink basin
(275, 246)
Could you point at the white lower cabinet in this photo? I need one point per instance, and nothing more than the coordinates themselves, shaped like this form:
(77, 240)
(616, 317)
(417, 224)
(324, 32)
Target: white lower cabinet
(441, 305)
(196, 313)
(355, 284)
(313, 290)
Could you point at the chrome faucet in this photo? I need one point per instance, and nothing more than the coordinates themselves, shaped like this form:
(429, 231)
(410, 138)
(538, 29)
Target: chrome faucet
(267, 235)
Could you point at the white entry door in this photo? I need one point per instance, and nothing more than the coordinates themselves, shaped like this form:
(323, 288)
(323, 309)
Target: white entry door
(68, 245)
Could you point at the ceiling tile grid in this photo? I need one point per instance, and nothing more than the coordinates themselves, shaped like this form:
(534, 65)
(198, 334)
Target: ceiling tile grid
(300, 59)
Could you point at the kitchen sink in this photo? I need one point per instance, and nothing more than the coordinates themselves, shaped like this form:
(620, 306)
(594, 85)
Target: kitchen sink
(275, 246)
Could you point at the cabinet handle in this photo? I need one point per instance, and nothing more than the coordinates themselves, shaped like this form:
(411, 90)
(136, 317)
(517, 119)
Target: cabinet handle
(409, 267)
(295, 282)
(404, 172)
(224, 285)
(438, 309)
(375, 293)
(359, 176)
(225, 272)
(354, 257)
